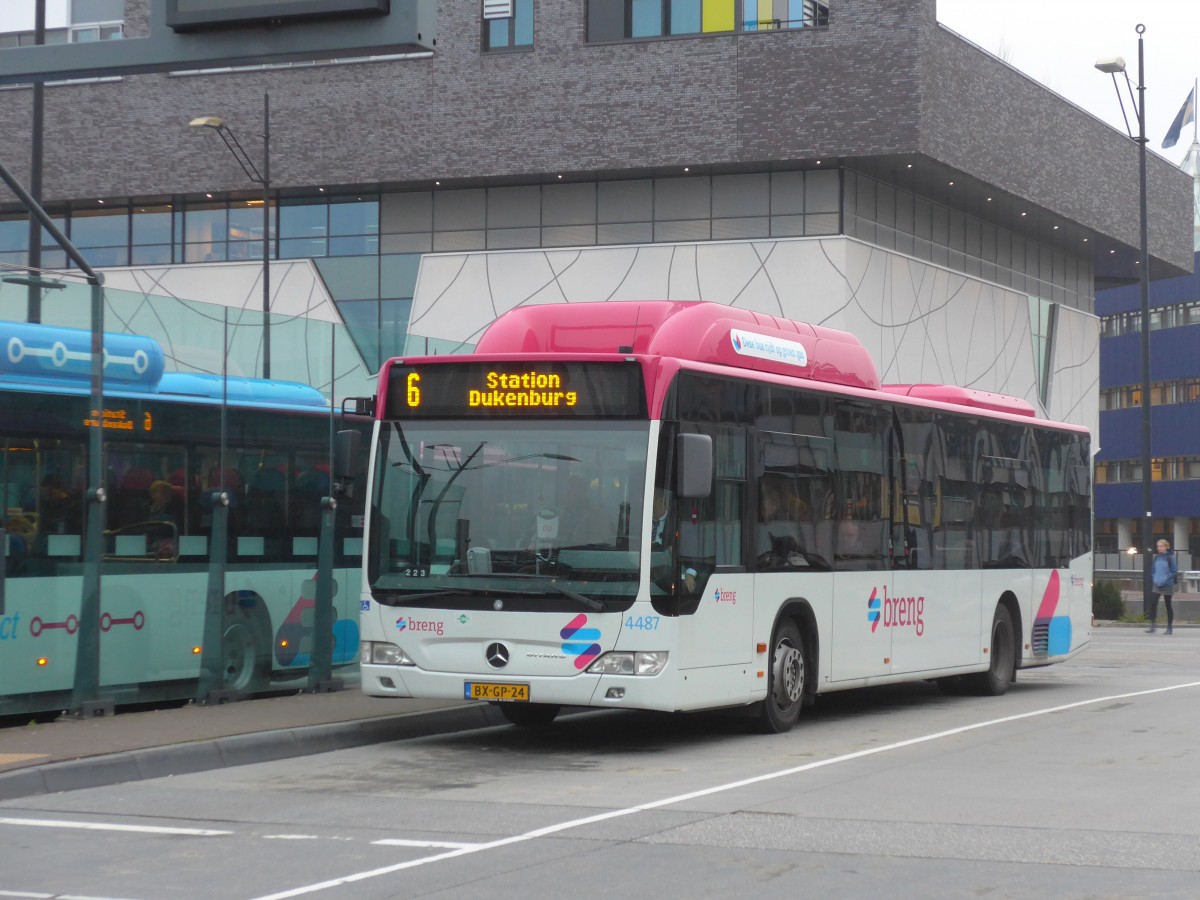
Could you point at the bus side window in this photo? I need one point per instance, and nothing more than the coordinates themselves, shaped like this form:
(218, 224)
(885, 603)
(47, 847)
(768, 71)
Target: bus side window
(132, 502)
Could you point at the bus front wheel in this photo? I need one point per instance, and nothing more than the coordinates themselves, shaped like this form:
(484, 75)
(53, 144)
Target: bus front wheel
(1002, 662)
(785, 686)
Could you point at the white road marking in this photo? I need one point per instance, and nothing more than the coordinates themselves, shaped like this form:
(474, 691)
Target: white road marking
(399, 842)
(106, 826)
(290, 837)
(706, 792)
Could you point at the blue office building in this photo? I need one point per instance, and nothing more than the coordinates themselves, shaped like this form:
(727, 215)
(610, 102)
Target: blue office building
(1175, 407)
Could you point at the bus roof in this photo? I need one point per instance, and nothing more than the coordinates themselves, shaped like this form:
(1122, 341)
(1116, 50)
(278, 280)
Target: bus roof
(56, 360)
(713, 336)
(691, 330)
(960, 396)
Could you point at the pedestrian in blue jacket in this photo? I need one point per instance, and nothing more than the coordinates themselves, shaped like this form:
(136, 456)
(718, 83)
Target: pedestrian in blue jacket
(1163, 572)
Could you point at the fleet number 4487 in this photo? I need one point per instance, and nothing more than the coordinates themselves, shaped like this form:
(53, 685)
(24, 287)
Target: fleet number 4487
(642, 623)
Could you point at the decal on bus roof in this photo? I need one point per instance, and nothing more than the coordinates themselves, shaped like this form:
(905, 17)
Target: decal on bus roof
(747, 343)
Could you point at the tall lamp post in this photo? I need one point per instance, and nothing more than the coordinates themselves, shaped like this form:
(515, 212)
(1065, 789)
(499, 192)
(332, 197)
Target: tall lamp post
(1113, 67)
(218, 125)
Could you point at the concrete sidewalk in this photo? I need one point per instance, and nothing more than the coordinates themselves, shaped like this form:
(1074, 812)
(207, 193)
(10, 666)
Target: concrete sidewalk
(69, 754)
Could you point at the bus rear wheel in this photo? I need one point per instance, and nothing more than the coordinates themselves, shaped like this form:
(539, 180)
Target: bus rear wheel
(245, 648)
(1002, 664)
(785, 684)
(529, 715)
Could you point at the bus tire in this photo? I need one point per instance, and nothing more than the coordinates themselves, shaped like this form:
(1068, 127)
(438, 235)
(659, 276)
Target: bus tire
(785, 680)
(245, 651)
(529, 715)
(1002, 662)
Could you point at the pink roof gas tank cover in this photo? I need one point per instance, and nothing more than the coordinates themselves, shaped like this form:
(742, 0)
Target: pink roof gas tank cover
(690, 330)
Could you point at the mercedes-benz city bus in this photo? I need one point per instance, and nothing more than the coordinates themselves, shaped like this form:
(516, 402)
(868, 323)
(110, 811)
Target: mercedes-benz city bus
(822, 531)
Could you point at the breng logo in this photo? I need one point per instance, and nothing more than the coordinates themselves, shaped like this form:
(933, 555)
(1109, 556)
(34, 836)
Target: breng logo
(896, 612)
(579, 642)
(411, 624)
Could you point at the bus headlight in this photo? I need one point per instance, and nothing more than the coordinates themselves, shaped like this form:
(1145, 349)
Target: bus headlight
(381, 653)
(624, 662)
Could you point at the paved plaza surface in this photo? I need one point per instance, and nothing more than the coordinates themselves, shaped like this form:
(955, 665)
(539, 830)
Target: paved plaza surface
(70, 753)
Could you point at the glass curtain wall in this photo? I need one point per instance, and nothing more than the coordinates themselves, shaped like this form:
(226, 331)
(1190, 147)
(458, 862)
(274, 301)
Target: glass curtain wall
(367, 247)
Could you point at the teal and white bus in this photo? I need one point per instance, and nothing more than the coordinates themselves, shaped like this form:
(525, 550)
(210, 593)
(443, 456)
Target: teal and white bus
(163, 458)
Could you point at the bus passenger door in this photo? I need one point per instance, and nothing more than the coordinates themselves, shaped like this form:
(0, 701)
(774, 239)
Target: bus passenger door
(718, 634)
(720, 629)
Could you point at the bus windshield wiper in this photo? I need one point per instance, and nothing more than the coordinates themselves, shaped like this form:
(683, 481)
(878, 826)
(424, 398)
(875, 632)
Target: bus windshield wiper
(394, 597)
(549, 587)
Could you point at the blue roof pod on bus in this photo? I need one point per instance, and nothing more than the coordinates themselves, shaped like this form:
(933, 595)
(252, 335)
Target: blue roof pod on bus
(59, 359)
(54, 355)
(241, 390)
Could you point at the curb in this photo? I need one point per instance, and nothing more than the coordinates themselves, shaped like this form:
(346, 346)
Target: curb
(239, 750)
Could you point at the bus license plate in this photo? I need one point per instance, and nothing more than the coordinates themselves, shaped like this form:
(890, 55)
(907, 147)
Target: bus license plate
(505, 693)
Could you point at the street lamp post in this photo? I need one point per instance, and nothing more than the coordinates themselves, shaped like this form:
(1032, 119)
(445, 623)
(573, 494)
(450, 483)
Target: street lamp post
(1112, 67)
(262, 177)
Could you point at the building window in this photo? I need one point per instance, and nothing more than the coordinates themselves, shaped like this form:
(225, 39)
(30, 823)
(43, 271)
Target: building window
(511, 32)
(772, 15)
(86, 34)
(616, 20)
(102, 235)
(27, 38)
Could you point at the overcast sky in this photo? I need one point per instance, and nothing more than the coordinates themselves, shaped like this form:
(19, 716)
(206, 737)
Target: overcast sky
(1055, 42)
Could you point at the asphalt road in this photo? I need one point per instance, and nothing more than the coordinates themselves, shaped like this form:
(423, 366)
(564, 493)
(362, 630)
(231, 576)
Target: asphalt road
(1080, 782)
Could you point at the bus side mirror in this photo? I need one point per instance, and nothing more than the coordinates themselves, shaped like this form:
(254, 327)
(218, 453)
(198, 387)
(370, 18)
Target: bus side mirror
(358, 406)
(347, 455)
(694, 465)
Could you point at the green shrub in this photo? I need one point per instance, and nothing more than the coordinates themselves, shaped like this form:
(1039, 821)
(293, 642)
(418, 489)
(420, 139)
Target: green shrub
(1106, 600)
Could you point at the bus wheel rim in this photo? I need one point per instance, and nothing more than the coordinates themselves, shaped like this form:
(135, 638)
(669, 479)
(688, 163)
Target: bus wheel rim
(237, 657)
(789, 674)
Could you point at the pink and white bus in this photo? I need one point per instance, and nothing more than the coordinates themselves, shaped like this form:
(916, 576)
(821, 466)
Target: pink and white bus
(822, 531)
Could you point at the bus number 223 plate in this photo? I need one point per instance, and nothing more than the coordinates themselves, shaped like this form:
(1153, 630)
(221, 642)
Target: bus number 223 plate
(507, 693)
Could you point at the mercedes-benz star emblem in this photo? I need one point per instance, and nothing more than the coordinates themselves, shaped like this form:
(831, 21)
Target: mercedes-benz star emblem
(497, 656)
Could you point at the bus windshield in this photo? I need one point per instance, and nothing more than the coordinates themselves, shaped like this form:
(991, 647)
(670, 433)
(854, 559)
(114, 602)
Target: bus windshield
(476, 509)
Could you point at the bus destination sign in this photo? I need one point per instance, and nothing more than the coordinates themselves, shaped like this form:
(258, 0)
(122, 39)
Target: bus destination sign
(117, 420)
(516, 389)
